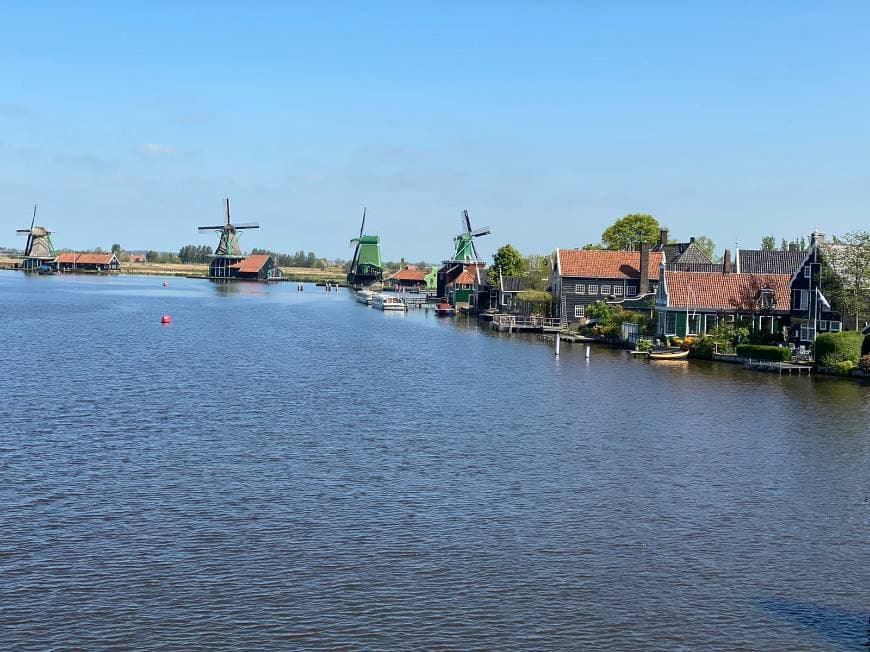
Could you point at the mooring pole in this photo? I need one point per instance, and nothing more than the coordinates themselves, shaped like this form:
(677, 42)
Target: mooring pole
(558, 337)
(587, 351)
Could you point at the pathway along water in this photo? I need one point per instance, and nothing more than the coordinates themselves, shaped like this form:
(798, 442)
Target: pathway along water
(288, 469)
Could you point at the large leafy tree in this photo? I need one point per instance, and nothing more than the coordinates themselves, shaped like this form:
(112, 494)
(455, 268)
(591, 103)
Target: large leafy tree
(507, 261)
(707, 246)
(849, 270)
(768, 243)
(628, 232)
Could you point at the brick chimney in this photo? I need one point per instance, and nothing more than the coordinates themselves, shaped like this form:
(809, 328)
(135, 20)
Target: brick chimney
(726, 262)
(663, 237)
(643, 285)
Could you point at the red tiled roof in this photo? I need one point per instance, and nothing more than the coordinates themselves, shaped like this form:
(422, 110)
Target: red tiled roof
(467, 277)
(607, 264)
(72, 258)
(251, 264)
(410, 273)
(718, 291)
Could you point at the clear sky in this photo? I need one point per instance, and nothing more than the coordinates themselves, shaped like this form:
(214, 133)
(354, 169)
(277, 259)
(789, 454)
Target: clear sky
(547, 120)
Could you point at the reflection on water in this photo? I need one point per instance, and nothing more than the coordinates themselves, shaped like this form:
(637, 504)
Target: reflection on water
(332, 476)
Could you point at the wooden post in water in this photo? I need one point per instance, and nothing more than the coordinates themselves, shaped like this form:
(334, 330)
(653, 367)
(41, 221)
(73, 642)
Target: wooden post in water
(558, 337)
(587, 351)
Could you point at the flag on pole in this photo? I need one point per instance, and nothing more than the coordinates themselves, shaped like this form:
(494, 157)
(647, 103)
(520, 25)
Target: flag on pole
(822, 298)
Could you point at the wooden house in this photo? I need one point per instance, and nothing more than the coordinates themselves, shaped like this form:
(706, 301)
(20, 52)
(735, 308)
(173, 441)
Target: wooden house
(811, 310)
(258, 267)
(506, 293)
(410, 277)
(74, 262)
(689, 304)
(686, 256)
(582, 277)
(463, 283)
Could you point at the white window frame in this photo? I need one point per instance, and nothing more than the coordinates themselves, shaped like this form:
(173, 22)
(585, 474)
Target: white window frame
(631, 290)
(808, 272)
(729, 319)
(707, 318)
(804, 300)
(689, 319)
(761, 326)
(835, 326)
(592, 289)
(605, 290)
(807, 333)
(670, 331)
(617, 290)
(579, 311)
(823, 324)
(580, 288)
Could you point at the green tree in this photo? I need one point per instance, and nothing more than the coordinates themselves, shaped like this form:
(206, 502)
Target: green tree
(151, 256)
(849, 273)
(539, 268)
(707, 246)
(116, 249)
(628, 232)
(768, 243)
(589, 246)
(507, 261)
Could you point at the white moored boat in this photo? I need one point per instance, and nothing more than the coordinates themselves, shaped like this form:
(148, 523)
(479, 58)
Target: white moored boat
(388, 302)
(365, 296)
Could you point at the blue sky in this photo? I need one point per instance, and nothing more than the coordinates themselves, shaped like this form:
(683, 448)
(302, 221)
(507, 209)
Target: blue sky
(548, 120)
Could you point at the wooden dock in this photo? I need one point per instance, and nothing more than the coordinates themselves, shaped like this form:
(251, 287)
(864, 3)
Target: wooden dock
(511, 323)
(778, 367)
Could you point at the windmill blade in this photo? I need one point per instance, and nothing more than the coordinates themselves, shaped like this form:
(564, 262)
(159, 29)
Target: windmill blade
(33, 221)
(467, 221)
(479, 232)
(220, 227)
(476, 255)
(363, 225)
(246, 225)
(22, 231)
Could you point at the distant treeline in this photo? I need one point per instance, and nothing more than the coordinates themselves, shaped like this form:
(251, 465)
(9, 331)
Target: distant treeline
(299, 259)
(194, 254)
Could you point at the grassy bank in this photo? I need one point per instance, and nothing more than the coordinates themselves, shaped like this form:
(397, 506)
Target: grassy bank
(307, 274)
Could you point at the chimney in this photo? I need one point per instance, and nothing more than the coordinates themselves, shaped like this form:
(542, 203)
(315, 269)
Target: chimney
(817, 237)
(726, 262)
(643, 285)
(692, 240)
(663, 237)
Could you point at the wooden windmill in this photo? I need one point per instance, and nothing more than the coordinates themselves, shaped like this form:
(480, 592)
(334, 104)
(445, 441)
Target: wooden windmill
(228, 251)
(39, 249)
(366, 267)
(465, 252)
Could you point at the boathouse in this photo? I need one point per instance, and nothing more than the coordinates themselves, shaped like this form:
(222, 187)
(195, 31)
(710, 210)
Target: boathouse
(410, 277)
(69, 261)
(582, 277)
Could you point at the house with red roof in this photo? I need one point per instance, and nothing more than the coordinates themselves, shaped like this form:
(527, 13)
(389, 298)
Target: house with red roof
(690, 304)
(582, 277)
(258, 267)
(413, 278)
(70, 261)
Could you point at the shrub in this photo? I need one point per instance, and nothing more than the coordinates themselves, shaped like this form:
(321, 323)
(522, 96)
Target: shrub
(759, 352)
(843, 368)
(703, 348)
(831, 348)
(646, 345)
(865, 347)
(864, 364)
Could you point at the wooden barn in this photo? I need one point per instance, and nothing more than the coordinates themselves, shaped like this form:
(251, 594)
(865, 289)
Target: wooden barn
(73, 262)
(256, 268)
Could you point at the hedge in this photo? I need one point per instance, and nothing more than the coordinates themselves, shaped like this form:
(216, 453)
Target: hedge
(865, 347)
(760, 352)
(831, 348)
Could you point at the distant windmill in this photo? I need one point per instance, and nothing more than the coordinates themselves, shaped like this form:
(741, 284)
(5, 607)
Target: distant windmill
(228, 251)
(366, 267)
(39, 249)
(465, 251)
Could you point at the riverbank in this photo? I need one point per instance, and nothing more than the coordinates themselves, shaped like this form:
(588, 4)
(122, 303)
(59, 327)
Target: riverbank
(194, 270)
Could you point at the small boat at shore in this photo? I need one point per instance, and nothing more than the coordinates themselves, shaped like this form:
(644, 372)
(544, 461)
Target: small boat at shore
(677, 354)
(365, 296)
(388, 302)
(445, 310)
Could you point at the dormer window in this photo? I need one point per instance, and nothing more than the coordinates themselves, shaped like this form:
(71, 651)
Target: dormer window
(767, 299)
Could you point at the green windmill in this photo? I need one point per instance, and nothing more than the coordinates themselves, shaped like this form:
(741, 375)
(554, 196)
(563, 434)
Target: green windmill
(366, 267)
(464, 250)
(228, 251)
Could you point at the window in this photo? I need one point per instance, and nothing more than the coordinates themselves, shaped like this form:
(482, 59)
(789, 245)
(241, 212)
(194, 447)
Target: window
(605, 290)
(671, 324)
(580, 288)
(630, 290)
(808, 272)
(765, 324)
(823, 325)
(835, 326)
(694, 324)
(617, 290)
(804, 300)
(807, 334)
(729, 319)
(593, 289)
(579, 311)
(711, 322)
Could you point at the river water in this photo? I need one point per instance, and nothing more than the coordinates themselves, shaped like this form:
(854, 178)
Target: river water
(285, 470)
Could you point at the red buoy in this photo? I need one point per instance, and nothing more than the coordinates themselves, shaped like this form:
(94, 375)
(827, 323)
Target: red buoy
(166, 319)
